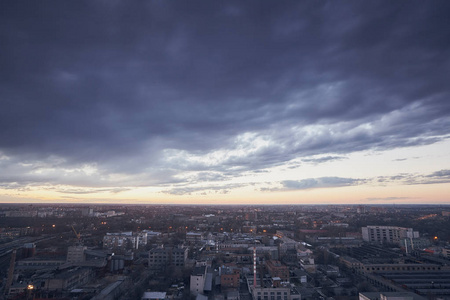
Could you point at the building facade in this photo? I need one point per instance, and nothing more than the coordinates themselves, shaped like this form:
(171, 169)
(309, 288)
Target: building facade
(276, 269)
(387, 234)
(76, 254)
(229, 278)
(159, 258)
(125, 240)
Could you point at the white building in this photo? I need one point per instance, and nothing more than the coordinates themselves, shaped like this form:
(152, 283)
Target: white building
(125, 239)
(198, 279)
(272, 288)
(76, 254)
(390, 296)
(152, 234)
(193, 237)
(387, 234)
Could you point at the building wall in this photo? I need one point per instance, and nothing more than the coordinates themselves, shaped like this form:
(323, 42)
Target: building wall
(159, 258)
(260, 293)
(124, 239)
(69, 279)
(76, 254)
(193, 237)
(229, 280)
(179, 256)
(446, 252)
(276, 269)
(388, 268)
(389, 234)
(39, 264)
(197, 284)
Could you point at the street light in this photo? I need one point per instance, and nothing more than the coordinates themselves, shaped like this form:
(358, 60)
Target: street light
(30, 288)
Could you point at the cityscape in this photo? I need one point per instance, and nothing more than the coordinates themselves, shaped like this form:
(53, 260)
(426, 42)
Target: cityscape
(224, 150)
(225, 252)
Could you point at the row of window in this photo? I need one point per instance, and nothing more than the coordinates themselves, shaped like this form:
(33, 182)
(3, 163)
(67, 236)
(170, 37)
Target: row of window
(401, 268)
(42, 264)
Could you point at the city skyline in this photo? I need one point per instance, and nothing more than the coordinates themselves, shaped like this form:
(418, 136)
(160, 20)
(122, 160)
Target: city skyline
(310, 102)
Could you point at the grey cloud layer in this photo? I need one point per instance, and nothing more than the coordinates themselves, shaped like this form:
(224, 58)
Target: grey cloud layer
(117, 85)
(319, 183)
(315, 183)
(389, 199)
(442, 176)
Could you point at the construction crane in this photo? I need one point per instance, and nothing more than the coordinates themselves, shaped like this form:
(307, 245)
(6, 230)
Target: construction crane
(76, 234)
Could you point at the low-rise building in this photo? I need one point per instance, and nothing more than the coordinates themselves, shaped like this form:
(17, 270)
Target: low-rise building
(229, 278)
(387, 234)
(76, 254)
(193, 237)
(272, 289)
(159, 258)
(37, 263)
(125, 240)
(64, 280)
(390, 296)
(277, 269)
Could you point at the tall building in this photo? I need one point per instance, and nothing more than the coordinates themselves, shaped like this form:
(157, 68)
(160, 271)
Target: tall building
(387, 234)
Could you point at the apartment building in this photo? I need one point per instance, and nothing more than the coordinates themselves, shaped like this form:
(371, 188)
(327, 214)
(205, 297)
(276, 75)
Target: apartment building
(387, 234)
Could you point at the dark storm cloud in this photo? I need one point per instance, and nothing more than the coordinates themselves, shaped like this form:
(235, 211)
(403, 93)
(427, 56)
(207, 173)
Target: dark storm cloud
(117, 84)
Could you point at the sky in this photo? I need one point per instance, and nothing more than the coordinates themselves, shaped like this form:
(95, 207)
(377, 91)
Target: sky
(225, 102)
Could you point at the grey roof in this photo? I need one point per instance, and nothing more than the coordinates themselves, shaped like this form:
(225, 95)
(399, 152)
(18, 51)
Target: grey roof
(198, 271)
(208, 282)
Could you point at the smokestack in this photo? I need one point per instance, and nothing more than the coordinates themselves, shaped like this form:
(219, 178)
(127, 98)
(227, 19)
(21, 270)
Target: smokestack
(254, 266)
